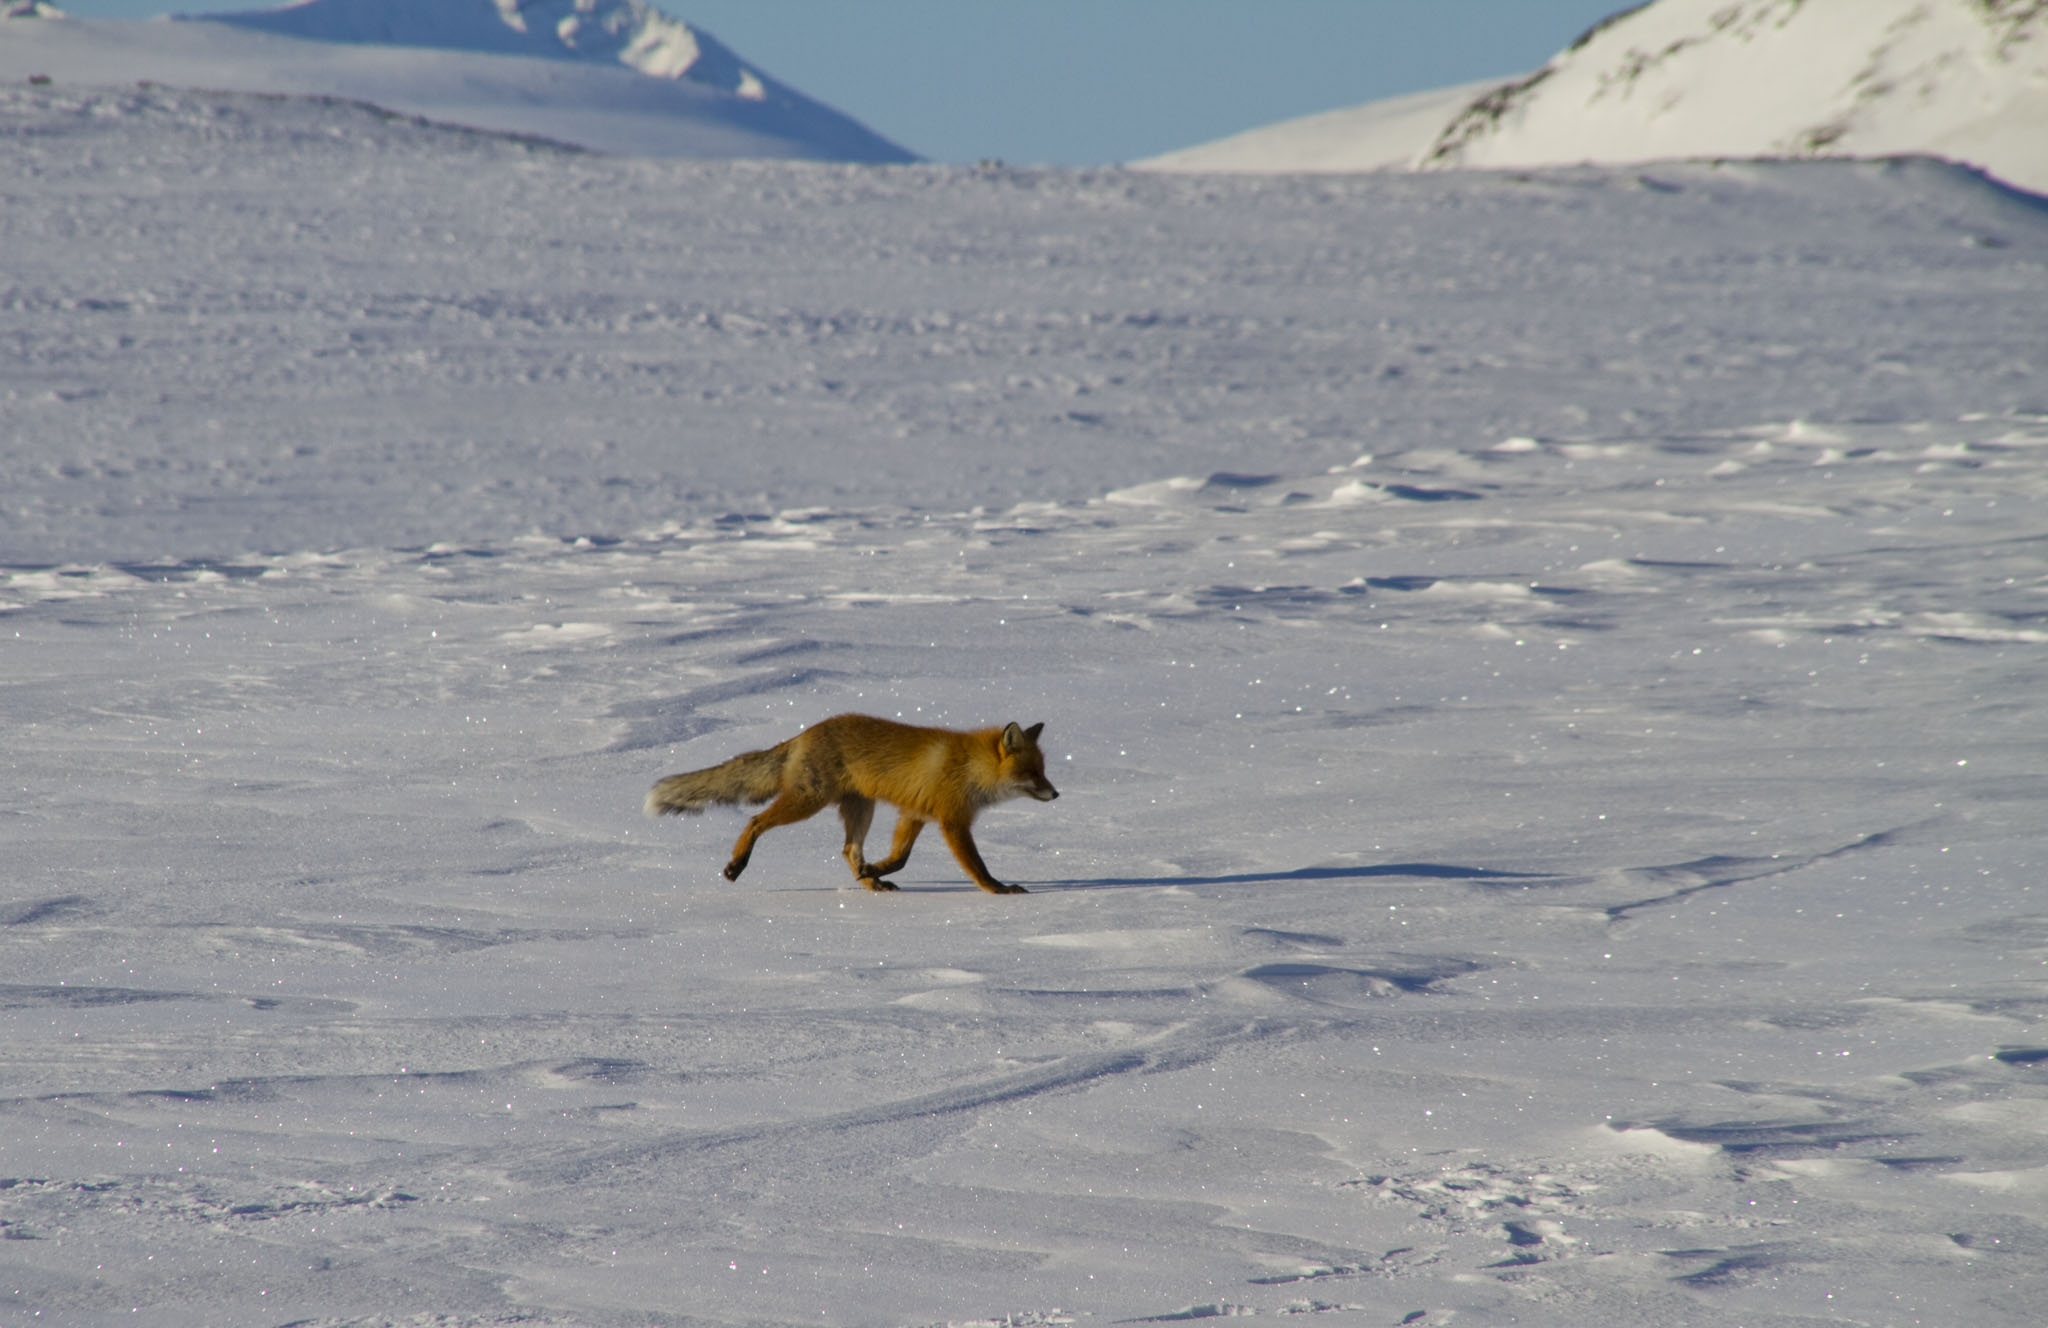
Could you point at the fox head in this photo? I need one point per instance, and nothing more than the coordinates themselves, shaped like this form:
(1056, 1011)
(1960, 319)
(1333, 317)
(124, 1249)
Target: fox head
(1023, 765)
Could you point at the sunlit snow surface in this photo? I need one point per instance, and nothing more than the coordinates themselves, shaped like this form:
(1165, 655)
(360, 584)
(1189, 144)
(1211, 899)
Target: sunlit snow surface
(1547, 675)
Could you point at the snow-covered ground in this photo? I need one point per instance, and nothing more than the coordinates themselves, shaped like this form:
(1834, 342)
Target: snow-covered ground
(1547, 675)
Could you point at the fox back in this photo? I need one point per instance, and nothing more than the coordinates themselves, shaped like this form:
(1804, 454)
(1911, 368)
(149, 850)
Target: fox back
(944, 775)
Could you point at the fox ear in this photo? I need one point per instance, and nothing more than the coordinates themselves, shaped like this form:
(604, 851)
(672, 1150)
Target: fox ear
(1014, 737)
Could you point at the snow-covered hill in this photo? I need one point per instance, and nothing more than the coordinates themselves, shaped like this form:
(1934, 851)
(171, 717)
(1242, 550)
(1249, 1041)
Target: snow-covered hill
(611, 75)
(1963, 79)
(1388, 134)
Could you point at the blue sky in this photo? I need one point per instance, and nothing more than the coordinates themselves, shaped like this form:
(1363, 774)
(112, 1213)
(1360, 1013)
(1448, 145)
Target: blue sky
(1085, 82)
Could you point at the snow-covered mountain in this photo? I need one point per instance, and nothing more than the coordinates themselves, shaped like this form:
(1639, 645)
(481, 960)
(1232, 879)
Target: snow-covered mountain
(627, 32)
(1963, 79)
(612, 75)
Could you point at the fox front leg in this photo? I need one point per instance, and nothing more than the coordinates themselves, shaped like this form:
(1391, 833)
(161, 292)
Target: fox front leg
(962, 843)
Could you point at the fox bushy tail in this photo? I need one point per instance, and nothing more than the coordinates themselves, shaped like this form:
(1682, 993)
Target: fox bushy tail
(748, 777)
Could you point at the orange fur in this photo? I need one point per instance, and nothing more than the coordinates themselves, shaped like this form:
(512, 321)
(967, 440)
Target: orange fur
(856, 761)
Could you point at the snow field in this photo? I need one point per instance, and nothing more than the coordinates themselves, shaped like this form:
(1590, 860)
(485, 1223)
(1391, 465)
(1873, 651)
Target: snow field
(1548, 835)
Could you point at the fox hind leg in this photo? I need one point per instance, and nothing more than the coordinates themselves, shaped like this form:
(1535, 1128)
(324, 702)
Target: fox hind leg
(907, 828)
(787, 809)
(858, 813)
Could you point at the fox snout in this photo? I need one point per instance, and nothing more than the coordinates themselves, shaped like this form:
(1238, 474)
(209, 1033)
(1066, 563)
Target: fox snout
(1043, 791)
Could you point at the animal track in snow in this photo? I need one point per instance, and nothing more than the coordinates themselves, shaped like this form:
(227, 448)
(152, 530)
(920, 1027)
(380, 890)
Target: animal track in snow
(1527, 1208)
(1401, 1259)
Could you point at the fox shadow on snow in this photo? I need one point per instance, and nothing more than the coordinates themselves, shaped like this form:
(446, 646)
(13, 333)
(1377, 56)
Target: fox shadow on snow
(1437, 870)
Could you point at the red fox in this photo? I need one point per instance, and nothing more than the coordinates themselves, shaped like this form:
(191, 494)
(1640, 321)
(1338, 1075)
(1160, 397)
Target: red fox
(942, 775)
